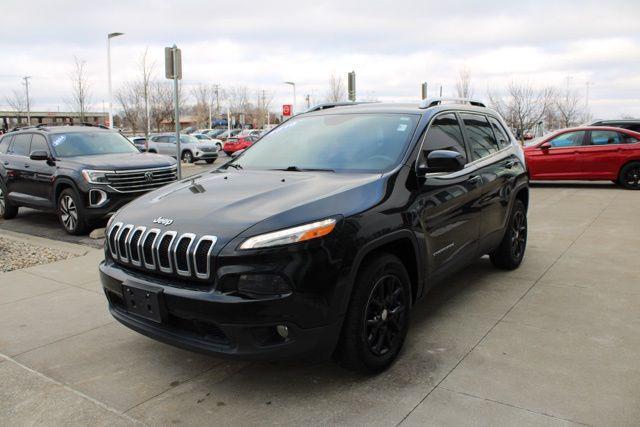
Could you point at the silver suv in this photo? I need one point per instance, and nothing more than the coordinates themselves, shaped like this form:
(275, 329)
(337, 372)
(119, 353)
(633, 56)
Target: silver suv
(192, 149)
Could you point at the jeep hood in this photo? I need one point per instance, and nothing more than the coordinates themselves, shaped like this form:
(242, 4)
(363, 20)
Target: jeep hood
(225, 203)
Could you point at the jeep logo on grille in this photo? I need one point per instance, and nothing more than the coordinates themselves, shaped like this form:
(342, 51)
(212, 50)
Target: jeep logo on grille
(148, 176)
(163, 221)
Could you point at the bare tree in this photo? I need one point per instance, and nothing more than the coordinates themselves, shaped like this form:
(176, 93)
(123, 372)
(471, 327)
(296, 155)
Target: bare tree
(147, 69)
(17, 102)
(80, 94)
(161, 101)
(568, 107)
(130, 100)
(337, 91)
(203, 95)
(263, 103)
(463, 84)
(523, 107)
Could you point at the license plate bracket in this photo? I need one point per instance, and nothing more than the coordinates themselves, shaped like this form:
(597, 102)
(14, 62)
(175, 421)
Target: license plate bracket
(144, 301)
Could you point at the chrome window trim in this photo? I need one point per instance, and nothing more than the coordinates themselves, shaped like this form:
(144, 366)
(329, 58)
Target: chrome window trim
(186, 272)
(125, 257)
(128, 244)
(114, 251)
(213, 240)
(152, 265)
(168, 269)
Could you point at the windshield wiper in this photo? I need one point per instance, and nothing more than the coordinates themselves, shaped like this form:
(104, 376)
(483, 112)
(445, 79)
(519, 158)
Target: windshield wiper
(297, 169)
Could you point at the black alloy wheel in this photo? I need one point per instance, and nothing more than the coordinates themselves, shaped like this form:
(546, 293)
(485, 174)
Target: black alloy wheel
(630, 176)
(384, 319)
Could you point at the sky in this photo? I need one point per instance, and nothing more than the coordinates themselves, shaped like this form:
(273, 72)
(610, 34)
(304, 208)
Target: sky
(392, 46)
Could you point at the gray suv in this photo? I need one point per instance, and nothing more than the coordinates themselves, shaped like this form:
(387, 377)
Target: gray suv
(191, 148)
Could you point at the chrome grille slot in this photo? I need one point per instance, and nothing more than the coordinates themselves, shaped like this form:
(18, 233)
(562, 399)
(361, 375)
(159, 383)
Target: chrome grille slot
(141, 179)
(168, 252)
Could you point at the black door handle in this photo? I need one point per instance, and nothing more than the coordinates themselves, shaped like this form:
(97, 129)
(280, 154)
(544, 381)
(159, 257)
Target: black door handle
(474, 179)
(26, 165)
(6, 163)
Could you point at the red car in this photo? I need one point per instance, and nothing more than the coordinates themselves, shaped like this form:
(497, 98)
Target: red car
(236, 144)
(595, 153)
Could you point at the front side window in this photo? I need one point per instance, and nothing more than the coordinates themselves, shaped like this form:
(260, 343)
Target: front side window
(338, 142)
(605, 137)
(21, 144)
(38, 143)
(569, 139)
(90, 144)
(481, 140)
(500, 133)
(444, 134)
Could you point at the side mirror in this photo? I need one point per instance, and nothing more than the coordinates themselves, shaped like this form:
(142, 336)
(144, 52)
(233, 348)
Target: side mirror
(442, 161)
(545, 146)
(39, 155)
(236, 153)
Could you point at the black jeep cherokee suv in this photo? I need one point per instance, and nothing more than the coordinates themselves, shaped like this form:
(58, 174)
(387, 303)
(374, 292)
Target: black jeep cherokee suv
(319, 238)
(84, 173)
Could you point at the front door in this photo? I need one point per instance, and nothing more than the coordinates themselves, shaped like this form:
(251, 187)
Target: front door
(449, 202)
(40, 171)
(561, 160)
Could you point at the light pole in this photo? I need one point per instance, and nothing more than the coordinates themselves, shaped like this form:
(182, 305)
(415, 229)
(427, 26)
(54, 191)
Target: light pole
(26, 85)
(109, 37)
(293, 107)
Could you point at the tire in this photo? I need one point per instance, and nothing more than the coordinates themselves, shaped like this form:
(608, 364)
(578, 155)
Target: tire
(377, 321)
(219, 147)
(71, 212)
(228, 153)
(187, 157)
(629, 176)
(8, 210)
(511, 251)
(209, 161)
(152, 151)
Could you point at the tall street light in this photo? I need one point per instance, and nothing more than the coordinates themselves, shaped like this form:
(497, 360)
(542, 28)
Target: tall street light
(109, 37)
(293, 107)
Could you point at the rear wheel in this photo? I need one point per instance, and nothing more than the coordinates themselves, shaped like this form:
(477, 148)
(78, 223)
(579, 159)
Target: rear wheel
(71, 212)
(510, 253)
(377, 321)
(7, 209)
(630, 176)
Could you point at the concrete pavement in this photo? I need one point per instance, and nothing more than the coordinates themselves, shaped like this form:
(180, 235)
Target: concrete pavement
(553, 343)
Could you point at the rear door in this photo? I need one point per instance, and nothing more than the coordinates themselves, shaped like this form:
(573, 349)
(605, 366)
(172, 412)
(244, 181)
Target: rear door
(561, 160)
(16, 163)
(602, 156)
(448, 202)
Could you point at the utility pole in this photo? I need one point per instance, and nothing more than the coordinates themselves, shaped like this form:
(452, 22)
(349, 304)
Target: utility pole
(26, 85)
(440, 91)
(307, 99)
(217, 100)
(351, 86)
(109, 37)
(423, 90)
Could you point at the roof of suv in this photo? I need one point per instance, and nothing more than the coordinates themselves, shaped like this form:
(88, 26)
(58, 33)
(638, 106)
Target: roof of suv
(396, 107)
(61, 129)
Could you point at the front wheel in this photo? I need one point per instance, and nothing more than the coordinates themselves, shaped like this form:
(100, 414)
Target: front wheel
(510, 253)
(630, 176)
(377, 321)
(187, 157)
(71, 212)
(209, 161)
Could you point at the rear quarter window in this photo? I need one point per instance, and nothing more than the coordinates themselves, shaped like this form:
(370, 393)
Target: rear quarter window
(4, 143)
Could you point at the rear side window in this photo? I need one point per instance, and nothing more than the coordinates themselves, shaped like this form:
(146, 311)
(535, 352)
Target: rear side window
(38, 143)
(21, 144)
(605, 137)
(499, 132)
(444, 134)
(482, 143)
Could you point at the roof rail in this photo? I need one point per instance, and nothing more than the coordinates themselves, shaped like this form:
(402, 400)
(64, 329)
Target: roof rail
(432, 102)
(336, 104)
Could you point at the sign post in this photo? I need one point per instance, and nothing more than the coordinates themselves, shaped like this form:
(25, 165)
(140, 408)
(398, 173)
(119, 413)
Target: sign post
(173, 70)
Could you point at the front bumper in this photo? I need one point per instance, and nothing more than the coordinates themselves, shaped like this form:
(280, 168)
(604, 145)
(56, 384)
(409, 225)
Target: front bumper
(214, 323)
(206, 155)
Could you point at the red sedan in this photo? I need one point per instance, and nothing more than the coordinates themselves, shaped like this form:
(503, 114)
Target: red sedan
(587, 153)
(236, 144)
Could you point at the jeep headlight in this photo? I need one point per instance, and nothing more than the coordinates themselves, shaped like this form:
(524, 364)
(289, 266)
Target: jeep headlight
(95, 176)
(290, 235)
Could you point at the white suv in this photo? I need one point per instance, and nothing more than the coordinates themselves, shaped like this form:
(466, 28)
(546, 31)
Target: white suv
(192, 149)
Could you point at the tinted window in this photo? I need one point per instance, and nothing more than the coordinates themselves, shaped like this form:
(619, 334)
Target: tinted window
(91, 144)
(5, 142)
(569, 139)
(340, 142)
(38, 143)
(481, 140)
(605, 137)
(444, 134)
(499, 132)
(21, 143)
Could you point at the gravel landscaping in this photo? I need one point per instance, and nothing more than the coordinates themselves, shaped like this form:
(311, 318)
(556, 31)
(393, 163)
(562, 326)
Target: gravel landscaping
(15, 254)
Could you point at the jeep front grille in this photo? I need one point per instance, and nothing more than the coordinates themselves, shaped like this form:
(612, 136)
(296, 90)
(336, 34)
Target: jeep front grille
(167, 252)
(141, 179)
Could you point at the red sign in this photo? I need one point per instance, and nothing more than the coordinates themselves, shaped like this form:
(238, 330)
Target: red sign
(286, 110)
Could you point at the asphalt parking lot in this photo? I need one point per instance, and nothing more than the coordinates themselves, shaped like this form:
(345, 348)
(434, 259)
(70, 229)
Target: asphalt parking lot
(553, 343)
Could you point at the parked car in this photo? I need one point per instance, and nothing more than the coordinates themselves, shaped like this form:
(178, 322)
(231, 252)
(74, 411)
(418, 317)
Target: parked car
(587, 153)
(140, 142)
(630, 124)
(215, 132)
(82, 173)
(191, 148)
(319, 238)
(228, 134)
(238, 143)
(250, 132)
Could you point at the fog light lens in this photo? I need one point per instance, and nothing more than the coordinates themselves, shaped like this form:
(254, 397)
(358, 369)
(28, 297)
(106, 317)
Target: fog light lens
(262, 284)
(283, 331)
